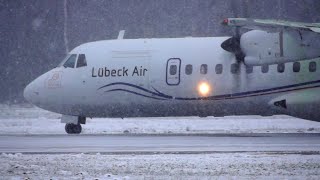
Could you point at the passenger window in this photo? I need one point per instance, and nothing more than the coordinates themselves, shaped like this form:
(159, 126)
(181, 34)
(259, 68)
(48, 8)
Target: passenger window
(81, 61)
(296, 67)
(264, 68)
(219, 69)
(249, 69)
(188, 69)
(312, 66)
(173, 69)
(204, 69)
(71, 61)
(235, 68)
(281, 67)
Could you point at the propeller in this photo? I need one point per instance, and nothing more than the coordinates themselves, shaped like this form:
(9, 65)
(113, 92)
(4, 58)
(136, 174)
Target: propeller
(233, 44)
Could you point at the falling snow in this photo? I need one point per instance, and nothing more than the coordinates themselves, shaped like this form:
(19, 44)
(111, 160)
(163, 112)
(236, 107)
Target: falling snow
(36, 35)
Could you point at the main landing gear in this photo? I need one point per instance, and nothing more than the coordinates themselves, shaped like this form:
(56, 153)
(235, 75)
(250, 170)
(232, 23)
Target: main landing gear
(73, 123)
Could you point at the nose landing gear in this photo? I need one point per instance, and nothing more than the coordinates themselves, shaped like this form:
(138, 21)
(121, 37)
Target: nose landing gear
(73, 123)
(73, 128)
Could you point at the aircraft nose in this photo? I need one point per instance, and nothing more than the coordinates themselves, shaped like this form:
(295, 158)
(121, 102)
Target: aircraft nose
(27, 93)
(30, 92)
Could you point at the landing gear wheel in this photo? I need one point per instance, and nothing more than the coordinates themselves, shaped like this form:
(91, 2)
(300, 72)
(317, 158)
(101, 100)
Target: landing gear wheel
(73, 128)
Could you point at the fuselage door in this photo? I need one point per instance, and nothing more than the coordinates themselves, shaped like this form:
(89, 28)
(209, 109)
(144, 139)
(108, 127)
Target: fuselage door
(173, 71)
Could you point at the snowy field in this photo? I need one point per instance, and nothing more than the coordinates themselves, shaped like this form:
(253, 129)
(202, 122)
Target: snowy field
(26, 119)
(160, 166)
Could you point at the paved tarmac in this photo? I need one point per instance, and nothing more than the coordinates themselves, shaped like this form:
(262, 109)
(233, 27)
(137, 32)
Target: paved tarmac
(144, 144)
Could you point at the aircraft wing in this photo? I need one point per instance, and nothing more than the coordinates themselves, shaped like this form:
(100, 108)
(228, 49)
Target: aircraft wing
(271, 25)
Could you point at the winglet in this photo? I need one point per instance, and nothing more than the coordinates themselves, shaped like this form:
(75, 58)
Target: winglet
(121, 34)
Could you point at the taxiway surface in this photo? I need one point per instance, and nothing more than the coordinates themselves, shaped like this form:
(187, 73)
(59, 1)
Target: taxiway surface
(113, 144)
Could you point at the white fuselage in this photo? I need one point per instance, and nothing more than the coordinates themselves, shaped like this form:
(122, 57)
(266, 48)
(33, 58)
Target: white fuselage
(129, 78)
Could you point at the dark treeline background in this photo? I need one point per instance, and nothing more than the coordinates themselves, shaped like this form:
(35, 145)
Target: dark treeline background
(35, 34)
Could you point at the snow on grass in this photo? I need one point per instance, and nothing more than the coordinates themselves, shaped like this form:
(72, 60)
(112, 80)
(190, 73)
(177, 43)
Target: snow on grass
(26, 119)
(160, 166)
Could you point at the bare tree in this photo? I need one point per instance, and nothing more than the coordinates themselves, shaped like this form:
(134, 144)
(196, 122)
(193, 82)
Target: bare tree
(65, 32)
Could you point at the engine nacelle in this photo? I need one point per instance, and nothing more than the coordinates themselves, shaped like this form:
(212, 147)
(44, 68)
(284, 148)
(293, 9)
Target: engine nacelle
(261, 47)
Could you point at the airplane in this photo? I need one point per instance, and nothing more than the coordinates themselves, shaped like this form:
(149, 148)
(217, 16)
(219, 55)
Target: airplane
(273, 68)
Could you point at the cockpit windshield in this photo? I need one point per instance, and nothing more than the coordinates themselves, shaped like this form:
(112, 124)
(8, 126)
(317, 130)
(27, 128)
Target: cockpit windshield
(71, 60)
(64, 60)
(81, 61)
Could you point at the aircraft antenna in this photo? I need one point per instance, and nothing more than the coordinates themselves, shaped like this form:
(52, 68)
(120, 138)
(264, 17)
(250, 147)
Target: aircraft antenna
(121, 34)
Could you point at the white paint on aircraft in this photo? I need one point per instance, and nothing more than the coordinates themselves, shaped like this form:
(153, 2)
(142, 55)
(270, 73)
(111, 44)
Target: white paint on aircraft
(186, 77)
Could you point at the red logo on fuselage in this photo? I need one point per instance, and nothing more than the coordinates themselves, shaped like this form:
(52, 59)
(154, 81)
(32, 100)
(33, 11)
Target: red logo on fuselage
(54, 80)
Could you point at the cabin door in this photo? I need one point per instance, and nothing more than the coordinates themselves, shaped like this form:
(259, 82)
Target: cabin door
(173, 71)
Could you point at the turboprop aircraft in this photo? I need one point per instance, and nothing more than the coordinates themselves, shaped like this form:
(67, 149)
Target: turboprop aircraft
(274, 68)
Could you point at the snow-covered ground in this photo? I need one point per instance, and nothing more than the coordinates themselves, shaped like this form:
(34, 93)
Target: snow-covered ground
(26, 119)
(160, 166)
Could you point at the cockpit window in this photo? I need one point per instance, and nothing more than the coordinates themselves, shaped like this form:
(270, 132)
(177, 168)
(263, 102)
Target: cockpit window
(71, 61)
(81, 61)
(64, 60)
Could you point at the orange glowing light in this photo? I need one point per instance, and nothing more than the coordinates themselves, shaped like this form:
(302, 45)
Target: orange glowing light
(204, 88)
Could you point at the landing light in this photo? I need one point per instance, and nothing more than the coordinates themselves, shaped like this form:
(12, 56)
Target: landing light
(203, 88)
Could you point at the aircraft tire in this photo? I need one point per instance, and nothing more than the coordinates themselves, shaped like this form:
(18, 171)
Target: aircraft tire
(73, 128)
